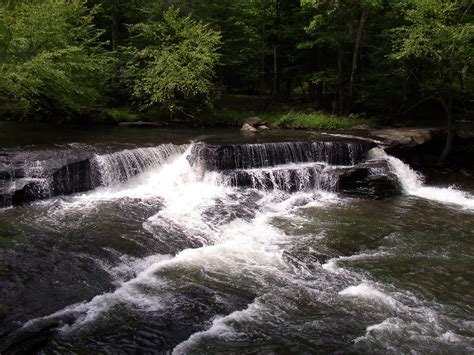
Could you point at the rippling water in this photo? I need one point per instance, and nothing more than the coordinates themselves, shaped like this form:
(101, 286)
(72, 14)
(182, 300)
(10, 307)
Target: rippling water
(175, 260)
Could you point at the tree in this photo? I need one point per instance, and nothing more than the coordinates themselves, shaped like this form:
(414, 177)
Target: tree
(436, 44)
(339, 27)
(51, 57)
(175, 68)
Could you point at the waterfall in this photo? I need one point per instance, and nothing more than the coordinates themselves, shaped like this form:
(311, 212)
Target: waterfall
(248, 156)
(121, 166)
(340, 167)
(288, 178)
(413, 184)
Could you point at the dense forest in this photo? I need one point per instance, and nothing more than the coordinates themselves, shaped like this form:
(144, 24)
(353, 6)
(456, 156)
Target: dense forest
(64, 58)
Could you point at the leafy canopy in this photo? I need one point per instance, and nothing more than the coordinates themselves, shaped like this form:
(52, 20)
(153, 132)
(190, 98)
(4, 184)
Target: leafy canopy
(176, 67)
(51, 58)
(438, 37)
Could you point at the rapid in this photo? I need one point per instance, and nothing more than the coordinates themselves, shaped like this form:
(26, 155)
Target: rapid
(171, 252)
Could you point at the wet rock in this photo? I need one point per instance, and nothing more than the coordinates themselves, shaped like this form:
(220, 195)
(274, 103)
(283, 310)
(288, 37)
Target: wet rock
(284, 179)
(248, 156)
(369, 181)
(305, 259)
(31, 175)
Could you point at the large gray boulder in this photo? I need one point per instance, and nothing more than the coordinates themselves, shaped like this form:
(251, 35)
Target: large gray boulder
(254, 125)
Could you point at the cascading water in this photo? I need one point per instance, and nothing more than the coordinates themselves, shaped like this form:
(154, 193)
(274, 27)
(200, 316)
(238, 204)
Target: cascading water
(413, 184)
(259, 254)
(246, 156)
(121, 166)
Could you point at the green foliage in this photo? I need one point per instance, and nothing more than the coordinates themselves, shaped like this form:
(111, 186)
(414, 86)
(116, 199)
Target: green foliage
(286, 119)
(320, 121)
(176, 56)
(176, 68)
(121, 115)
(438, 38)
(51, 58)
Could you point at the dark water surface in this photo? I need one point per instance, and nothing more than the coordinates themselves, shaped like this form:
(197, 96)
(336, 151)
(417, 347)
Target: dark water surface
(40, 135)
(175, 260)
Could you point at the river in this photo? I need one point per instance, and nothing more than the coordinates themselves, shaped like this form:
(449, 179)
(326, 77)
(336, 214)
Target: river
(174, 258)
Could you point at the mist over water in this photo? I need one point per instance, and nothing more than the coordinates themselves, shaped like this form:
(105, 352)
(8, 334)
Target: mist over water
(172, 256)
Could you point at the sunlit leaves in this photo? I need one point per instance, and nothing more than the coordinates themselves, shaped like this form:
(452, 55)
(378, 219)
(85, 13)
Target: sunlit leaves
(177, 65)
(439, 38)
(52, 60)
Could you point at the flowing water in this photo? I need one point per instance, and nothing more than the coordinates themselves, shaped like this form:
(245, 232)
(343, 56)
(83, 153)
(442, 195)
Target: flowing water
(169, 255)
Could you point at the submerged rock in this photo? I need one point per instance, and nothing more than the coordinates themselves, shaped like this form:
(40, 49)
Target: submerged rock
(302, 258)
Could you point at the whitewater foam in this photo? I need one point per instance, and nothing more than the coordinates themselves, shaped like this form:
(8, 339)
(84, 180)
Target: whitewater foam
(367, 291)
(412, 183)
(221, 327)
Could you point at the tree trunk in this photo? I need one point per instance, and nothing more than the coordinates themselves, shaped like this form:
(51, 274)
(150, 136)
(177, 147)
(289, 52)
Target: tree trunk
(276, 76)
(355, 55)
(447, 106)
(340, 57)
(262, 53)
(276, 86)
(115, 25)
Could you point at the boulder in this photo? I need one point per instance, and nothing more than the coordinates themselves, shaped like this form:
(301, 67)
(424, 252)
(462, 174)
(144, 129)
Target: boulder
(255, 121)
(254, 125)
(369, 181)
(405, 136)
(248, 128)
(30, 175)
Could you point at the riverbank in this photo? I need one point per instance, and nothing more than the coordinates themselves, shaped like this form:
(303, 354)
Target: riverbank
(227, 117)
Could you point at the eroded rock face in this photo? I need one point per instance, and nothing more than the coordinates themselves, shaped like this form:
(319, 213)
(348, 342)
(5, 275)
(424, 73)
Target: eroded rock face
(258, 155)
(27, 176)
(335, 166)
(370, 181)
